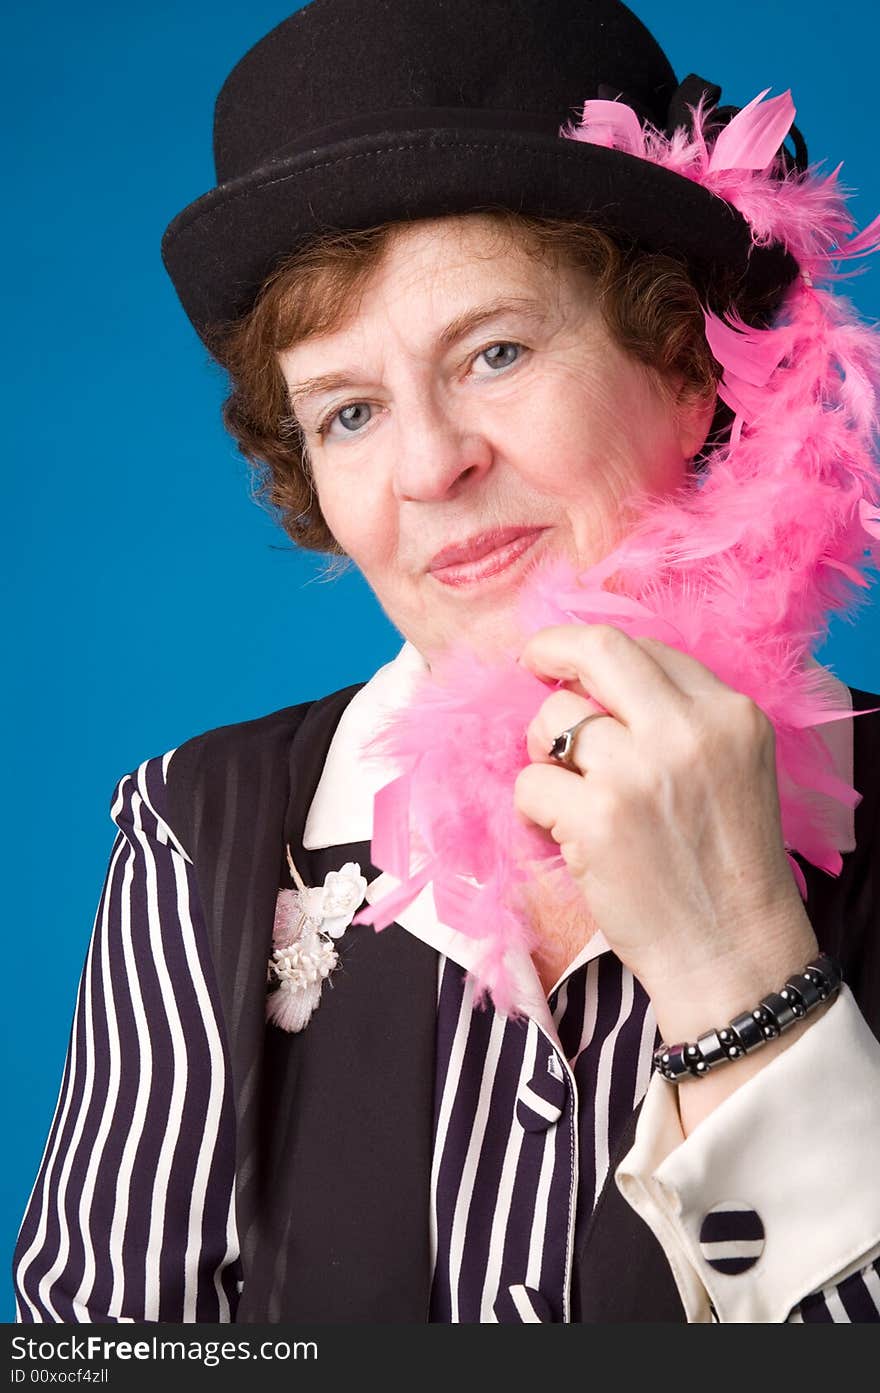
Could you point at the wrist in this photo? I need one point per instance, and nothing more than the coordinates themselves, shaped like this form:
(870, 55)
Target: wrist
(747, 1043)
(709, 994)
(697, 1098)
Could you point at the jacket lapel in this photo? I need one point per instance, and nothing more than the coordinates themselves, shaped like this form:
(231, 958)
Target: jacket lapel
(620, 1274)
(346, 1115)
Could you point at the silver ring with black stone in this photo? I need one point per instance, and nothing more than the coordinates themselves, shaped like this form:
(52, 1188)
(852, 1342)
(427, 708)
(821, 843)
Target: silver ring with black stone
(562, 749)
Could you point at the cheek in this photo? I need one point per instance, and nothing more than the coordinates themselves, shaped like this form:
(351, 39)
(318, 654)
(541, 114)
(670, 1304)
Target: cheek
(565, 438)
(590, 442)
(360, 519)
(607, 431)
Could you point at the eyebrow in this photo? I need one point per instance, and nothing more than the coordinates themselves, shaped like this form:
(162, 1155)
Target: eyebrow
(524, 305)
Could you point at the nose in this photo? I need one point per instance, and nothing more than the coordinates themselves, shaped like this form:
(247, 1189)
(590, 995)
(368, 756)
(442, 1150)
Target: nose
(436, 454)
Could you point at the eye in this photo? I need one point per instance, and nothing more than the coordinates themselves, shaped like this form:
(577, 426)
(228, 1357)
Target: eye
(351, 418)
(501, 355)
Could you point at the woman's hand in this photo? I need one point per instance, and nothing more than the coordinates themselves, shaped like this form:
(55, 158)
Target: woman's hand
(672, 829)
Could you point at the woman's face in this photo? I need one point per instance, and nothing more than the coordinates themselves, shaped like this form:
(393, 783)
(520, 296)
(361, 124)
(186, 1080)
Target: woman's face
(473, 419)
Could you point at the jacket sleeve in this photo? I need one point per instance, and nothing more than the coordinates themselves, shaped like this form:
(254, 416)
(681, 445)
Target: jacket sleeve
(855, 1300)
(132, 1214)
(769, 1210)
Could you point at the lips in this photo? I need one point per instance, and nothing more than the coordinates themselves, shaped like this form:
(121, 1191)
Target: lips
(478, 546)
(482, 555)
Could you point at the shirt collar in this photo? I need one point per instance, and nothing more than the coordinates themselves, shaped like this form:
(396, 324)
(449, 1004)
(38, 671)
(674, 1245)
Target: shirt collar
(341, 811)
(342, 806)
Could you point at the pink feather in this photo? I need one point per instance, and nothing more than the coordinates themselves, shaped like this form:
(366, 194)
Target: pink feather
(741, 567)
(610, 124)
(752, 138)
(391, 838)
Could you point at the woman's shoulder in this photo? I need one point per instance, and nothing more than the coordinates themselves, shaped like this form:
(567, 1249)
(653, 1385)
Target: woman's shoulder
(241, 739)
(866, 732)
(866, 765)
(862, 699)
(238, 761)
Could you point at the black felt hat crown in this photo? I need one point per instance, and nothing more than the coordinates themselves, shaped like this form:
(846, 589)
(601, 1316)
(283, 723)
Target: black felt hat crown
(356, 112)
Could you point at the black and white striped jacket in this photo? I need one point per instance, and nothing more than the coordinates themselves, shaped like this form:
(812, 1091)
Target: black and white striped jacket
(407, 1158)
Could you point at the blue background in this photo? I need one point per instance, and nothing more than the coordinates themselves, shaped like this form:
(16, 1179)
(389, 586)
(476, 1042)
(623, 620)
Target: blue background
(151, 599)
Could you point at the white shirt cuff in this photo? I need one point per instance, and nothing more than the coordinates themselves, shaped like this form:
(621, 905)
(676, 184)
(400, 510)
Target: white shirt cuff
(797, 1144)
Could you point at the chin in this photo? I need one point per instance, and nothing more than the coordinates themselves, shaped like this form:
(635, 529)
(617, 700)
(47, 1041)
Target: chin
(489, 635)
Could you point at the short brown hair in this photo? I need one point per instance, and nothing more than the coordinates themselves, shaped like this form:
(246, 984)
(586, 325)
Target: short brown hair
(648, 301)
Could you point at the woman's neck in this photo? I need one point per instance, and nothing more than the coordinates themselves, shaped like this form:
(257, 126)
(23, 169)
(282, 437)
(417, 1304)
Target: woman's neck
(561, 922)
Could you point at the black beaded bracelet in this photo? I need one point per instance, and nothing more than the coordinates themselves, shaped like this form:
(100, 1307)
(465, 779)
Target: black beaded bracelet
(801, 994)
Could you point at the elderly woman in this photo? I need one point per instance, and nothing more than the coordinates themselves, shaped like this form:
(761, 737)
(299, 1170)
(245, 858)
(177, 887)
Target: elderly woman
(460, 344)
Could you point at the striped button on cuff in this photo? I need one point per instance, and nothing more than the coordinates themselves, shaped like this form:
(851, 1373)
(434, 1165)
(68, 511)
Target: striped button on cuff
(732, 1237)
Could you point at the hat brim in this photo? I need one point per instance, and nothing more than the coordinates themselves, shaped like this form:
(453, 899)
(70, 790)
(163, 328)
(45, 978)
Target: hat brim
(220, 248)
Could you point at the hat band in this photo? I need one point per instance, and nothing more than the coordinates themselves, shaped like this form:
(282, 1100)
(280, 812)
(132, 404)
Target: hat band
(417, 118)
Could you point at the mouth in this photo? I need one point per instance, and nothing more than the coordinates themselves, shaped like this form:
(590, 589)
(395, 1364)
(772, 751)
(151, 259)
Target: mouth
(483, 556)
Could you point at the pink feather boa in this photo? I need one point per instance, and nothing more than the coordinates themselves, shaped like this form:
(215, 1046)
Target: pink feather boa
(741, 567)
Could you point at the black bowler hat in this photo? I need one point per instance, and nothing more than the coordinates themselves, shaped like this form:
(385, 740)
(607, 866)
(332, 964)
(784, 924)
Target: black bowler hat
(355, 112)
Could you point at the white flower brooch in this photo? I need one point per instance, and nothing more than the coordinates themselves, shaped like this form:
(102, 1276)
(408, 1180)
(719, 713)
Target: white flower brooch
(307, 922)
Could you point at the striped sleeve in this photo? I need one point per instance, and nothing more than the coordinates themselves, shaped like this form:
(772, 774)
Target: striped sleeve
(856, 1300)
(131, 1217)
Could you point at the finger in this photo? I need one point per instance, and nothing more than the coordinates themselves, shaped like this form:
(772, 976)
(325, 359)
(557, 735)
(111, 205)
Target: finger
(561, 710)
(548, 796)
(614, 670)
(684, 669)
(594, 742)
(617, 672)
